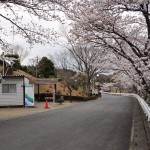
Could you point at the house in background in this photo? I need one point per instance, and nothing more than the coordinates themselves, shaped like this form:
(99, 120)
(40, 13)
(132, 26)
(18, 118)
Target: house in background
(16, 91)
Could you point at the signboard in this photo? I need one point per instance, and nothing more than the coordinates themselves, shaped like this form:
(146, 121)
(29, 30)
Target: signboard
(47, 81)
(29, 95)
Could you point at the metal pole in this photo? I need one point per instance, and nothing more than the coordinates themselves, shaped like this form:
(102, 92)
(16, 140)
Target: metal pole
(38, 93)
(54, 94)
(3, 64)
(37, 61)
(3, 67)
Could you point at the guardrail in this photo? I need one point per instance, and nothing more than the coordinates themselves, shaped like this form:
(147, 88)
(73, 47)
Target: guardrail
(143, 104)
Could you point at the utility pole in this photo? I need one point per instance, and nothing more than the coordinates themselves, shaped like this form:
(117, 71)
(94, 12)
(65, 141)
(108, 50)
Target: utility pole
(37, 61)
(2, 56)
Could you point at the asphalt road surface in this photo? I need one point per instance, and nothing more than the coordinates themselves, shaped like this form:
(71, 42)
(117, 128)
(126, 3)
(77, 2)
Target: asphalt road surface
(103, 124)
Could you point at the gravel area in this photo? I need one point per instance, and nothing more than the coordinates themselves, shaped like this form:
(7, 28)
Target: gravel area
(14, 112)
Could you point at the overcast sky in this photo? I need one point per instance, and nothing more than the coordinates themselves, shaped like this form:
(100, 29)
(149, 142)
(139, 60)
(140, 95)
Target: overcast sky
(38, 49)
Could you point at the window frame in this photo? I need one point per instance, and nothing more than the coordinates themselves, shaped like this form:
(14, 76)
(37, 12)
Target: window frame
(8, 90)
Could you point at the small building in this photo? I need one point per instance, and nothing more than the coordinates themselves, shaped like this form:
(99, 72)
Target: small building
(13, 91)
(47, 81)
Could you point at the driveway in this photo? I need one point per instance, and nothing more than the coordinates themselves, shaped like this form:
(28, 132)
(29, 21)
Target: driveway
(103, 124)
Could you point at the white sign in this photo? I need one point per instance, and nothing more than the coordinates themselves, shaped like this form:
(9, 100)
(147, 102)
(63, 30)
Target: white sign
(29, 95)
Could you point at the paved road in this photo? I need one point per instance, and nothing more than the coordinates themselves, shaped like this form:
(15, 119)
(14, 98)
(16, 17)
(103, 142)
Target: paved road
(103, 124)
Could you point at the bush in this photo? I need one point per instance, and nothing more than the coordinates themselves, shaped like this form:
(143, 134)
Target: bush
(94, 97)
(60, 100)
(43, 96)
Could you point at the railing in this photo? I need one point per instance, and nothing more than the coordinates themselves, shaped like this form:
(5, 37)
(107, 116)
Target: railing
(143, 104)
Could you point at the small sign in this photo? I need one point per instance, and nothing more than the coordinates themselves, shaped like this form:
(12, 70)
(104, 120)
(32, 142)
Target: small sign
(47, 81)
(29, 95)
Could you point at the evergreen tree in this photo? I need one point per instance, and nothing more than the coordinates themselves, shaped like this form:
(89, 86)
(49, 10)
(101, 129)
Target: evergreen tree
(46, 68)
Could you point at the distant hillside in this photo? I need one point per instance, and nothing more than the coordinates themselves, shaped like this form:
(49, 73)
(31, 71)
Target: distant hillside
(28, 76)
(104, 78)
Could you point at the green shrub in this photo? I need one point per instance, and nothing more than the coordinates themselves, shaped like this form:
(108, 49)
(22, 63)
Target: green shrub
(94, 97)
(60, 100)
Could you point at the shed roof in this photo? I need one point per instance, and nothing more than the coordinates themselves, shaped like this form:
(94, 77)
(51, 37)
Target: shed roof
(47, 80)
(13, 76)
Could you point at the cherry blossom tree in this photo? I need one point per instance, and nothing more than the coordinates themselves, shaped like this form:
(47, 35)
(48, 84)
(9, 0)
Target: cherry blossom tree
(126, 76)
(120, 26)
(86, 57)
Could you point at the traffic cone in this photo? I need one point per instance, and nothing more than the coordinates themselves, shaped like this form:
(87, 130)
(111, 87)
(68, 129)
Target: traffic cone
(46, 104)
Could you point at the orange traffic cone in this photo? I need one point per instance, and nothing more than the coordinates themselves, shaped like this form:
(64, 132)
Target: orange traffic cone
(46, 104)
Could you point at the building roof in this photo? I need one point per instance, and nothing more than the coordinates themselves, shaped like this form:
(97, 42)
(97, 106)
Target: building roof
(13, 76)
(47, 80)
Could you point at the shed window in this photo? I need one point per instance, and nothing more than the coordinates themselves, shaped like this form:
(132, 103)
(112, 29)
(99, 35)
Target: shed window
(9, 88)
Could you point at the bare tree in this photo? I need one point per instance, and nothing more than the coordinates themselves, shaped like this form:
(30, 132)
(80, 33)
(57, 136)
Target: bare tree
(33, 65)
(19, 51)
(64, 69)
(67, 77)
(62, 59)
(87, 58)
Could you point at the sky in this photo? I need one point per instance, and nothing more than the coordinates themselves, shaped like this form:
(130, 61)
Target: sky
(38, 49)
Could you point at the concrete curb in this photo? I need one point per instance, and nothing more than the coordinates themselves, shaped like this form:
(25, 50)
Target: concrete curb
(33, 113)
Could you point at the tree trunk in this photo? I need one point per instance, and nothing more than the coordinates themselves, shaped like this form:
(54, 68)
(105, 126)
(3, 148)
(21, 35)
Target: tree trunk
(88, 87)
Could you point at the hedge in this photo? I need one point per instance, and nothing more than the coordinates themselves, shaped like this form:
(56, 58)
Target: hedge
(49, 97)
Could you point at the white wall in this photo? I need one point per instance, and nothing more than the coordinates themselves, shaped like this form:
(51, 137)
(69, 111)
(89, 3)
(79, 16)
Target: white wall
(10, 99)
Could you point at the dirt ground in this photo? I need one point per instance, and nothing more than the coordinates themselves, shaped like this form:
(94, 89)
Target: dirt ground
(11, 112)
